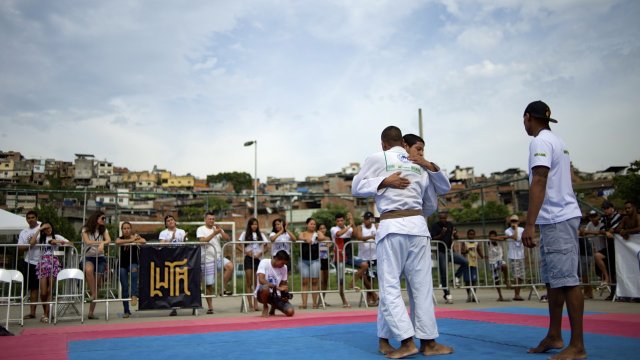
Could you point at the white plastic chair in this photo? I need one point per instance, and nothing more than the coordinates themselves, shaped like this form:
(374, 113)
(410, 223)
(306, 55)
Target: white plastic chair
(74, 295)
(10, 277)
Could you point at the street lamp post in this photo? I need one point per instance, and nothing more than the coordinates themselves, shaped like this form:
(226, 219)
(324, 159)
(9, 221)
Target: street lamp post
(255, 176)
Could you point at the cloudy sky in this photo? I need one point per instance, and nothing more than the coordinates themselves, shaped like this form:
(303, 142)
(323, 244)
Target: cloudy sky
(183, 84)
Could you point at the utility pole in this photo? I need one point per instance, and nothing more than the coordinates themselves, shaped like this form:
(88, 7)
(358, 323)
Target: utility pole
(420, 122)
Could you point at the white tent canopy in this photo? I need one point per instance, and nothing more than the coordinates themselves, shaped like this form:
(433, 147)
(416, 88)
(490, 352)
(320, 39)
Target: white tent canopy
(11, 223)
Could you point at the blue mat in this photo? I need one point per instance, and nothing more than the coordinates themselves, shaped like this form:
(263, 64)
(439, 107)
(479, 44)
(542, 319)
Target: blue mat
(471, 339)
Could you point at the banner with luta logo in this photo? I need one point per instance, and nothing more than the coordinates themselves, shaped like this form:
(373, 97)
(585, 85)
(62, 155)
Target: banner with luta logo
(628, 266)
(169, 277)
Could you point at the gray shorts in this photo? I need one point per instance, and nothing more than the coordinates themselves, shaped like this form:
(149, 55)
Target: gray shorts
(559, 253)
(496, 269)
(516, 266)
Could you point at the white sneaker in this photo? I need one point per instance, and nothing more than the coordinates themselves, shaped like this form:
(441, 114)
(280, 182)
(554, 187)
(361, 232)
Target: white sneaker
(456, 282)
(448, 299)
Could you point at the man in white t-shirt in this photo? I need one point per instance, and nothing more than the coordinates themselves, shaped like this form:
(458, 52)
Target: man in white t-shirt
(343, 251)
(366, 232)
(31, 259)
(553, 206)
(515, 253)
(211, 255)
(172, 235)
(271, 286)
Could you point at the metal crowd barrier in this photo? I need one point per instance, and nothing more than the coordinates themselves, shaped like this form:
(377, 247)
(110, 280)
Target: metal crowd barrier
(295, 280)
(16, 257)
(484, 271)
(591, 274)
(112, 290)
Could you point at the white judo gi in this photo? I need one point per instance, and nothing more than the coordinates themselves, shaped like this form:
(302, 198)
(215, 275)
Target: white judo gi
(403, 244)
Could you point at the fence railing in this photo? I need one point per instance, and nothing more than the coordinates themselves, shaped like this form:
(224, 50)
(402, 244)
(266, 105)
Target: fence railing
(305, 276)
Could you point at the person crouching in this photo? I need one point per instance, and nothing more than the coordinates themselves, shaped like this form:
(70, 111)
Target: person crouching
(271, 287)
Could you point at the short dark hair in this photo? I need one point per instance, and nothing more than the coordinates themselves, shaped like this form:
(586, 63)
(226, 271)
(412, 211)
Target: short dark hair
(471, 231)
(492, 232)
(391, 135)
(282, 255)
(209, 213)
(412, 139)
(32, 212)
(607, 204)
(338, 216)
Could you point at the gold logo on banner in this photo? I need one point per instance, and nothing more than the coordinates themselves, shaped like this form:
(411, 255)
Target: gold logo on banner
(174, 273)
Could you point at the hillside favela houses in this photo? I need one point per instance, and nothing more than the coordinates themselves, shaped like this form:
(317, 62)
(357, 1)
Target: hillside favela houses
(77, 188)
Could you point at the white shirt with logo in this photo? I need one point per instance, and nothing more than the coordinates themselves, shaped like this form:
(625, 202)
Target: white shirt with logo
(282, 242)
(367, 249)
(255, 247)
(421, 194)
(273, 275)
(560, 202)
(32, 256)
(515, 248)
(203, 232)
(167, 235)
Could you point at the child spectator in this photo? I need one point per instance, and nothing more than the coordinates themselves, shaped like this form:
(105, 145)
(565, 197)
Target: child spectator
(471, 251)
(515, 253)
(496, 261)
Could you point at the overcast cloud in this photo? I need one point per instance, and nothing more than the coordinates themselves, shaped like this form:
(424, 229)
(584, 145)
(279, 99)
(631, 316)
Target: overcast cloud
(183, 84)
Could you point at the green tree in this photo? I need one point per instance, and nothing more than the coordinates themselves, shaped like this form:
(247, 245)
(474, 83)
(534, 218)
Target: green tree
(217, 204)
(490, 210)
(191, 213)
(239, 180)
(627, 187)
(327, 215)
(49, 213)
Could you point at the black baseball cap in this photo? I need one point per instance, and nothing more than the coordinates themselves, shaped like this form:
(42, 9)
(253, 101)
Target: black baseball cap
(367, 215)
(539, 110)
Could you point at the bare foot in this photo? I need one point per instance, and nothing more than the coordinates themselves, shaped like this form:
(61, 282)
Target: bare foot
(545, 345)
(265, 312)
(272, 312)
(431, 347)
(570, 353)
(407, 348)
(384, 346)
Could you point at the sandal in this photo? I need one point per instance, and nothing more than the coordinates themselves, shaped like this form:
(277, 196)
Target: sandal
(210, 311)
(346, 306)
(227, 293)
(29, 316)
(92, 317)
(44, 319)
